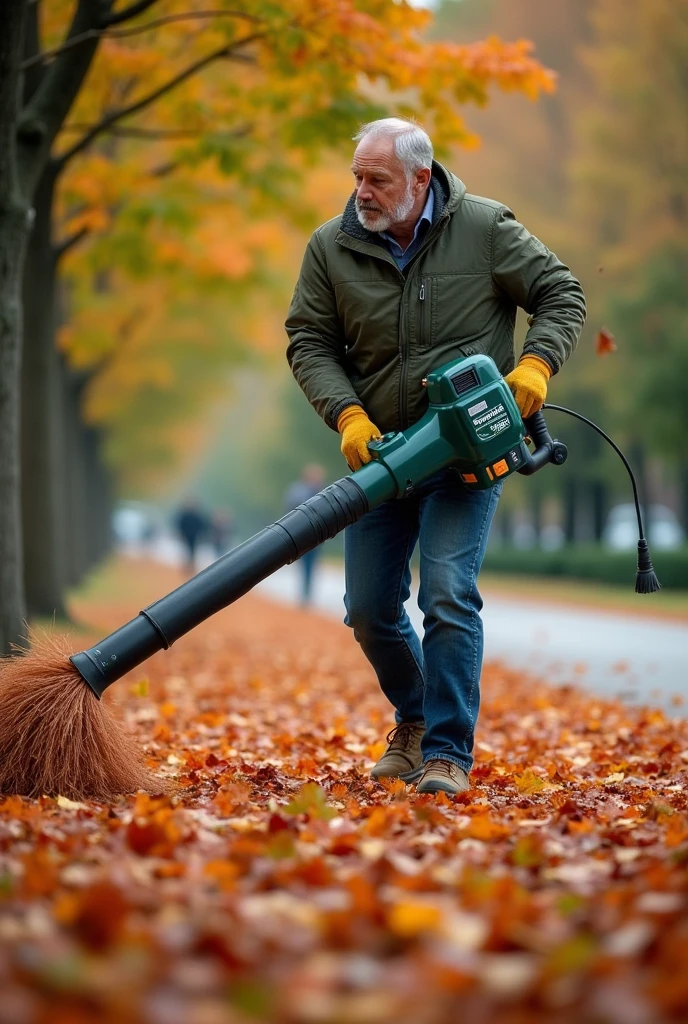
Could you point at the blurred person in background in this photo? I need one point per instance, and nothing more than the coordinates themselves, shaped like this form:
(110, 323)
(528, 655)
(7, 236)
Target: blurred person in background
(311, 481)
(192, 524)
(221, 532)
(414, 273)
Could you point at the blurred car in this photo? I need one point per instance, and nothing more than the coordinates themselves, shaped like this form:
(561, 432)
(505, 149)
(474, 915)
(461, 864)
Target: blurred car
(662, 528)
(134, 522)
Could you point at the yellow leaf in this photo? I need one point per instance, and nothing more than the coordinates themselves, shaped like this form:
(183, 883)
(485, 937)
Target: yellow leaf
(413, 918)
(529, 782)
(70, 805)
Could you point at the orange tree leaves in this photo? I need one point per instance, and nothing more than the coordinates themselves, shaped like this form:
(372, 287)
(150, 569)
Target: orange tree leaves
(281, 883)
(185, 157)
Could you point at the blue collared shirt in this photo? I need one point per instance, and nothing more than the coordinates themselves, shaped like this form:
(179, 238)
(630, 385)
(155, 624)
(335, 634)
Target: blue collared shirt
(402, 256)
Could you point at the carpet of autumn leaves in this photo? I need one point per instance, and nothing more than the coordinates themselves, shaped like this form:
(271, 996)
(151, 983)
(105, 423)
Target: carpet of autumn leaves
(278, 883)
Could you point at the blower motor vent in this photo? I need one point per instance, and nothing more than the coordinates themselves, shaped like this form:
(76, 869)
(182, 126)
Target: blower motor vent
(465, 380)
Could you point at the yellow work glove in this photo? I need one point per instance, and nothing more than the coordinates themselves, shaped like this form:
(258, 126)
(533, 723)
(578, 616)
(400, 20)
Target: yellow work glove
(356, 430)
(529, 384)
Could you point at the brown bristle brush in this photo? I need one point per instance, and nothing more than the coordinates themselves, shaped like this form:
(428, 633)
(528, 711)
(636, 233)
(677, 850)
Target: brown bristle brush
(56, 737)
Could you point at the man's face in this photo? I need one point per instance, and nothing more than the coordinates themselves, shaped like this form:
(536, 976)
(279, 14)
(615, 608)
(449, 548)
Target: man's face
(384, 195)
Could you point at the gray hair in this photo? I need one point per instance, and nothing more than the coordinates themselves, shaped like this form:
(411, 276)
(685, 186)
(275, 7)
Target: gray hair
(412, 144)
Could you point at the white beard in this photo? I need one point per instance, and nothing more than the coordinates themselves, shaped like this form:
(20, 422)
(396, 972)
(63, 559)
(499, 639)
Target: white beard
(378, 220)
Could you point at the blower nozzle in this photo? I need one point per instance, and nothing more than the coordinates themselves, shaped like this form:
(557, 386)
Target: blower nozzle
(646, 581)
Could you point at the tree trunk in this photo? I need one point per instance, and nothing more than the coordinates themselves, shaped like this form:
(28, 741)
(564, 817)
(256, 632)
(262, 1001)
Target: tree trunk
(506, 522)
(42, 442)
(12, 244)
(598, 502)
(536, 503)
(89, 490)
(76, 492)
(100, 498)
(570, 496)
(636, 458)
(684, 495)
(13, 235)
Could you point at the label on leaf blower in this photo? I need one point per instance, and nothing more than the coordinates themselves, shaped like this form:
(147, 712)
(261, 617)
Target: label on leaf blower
(491, 422)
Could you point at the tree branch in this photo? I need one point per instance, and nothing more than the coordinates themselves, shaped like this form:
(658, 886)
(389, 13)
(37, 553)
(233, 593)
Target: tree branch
(164, 169)
(103, 33)
(117, 115)
(152, 133)
(128, 12)
(41, 118)
(32, 52)
(70, 241)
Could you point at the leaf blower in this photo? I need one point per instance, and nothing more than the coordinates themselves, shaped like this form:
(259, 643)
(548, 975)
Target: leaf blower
(56, 736)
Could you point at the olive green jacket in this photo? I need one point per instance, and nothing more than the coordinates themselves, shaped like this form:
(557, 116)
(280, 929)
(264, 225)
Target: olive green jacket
(363, 332)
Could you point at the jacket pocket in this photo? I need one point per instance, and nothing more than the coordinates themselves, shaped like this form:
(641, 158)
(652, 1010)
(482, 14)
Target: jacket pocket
(463, 305)
(463, 347)
(425, 317)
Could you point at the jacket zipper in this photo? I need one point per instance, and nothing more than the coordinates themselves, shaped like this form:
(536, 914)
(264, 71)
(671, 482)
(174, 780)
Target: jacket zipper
(403, 351)
(403, 341)
(423, 296)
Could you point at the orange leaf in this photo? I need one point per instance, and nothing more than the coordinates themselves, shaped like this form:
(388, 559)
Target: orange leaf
(413, 918)
(99, 915)
(223, 872)
(604, 343)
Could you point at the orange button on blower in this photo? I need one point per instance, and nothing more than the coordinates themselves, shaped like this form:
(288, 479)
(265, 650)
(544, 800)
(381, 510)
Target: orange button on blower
(469, 478)
(500, 468)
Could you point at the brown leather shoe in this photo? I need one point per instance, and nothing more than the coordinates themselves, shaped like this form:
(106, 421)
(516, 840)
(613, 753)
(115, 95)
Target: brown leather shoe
(402, 759)
(440, 776)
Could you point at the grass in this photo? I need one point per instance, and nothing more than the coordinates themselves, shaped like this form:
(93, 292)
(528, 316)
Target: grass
(669, 604)
(589, 593)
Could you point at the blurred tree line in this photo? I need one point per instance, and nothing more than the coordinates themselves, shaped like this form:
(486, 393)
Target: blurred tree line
(152, 160)
(599, 170)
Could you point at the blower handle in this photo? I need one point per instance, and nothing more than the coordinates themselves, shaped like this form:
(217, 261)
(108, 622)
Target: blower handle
(546, 450)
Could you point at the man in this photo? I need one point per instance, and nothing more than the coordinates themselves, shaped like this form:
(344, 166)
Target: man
(414, 273)
(311, 481)
(191, 524)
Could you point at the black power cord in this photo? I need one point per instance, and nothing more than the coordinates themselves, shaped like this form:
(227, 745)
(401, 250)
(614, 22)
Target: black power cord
(646, 581)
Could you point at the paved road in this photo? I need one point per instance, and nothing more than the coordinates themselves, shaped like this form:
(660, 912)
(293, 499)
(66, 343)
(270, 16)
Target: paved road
(642, 659)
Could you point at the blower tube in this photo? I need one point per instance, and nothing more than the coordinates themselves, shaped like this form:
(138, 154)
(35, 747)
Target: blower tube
(323, 516)
(234, 574)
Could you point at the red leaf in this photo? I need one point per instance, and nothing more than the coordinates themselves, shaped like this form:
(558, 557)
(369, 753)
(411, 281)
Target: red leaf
(604, 343)
(100, 915)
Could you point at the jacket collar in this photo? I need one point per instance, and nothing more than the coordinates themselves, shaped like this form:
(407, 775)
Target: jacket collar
(448, 191)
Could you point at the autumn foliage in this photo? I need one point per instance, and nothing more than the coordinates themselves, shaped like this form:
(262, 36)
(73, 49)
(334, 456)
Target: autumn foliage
(281, 884)
(187, 180)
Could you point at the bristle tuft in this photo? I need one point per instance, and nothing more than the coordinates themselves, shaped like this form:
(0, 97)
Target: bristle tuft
(57, 738)
(646, 581)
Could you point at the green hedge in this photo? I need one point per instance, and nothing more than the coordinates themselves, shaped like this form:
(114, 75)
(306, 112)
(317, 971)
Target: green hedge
(589, 562)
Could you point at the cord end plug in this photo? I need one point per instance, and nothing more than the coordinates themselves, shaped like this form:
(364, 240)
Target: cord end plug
(646, 581)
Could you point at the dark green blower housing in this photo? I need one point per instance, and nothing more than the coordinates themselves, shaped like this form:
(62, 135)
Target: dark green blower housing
(472, 422)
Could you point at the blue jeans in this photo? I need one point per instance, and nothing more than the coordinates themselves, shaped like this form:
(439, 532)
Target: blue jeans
(438, 681)
(307, 563)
